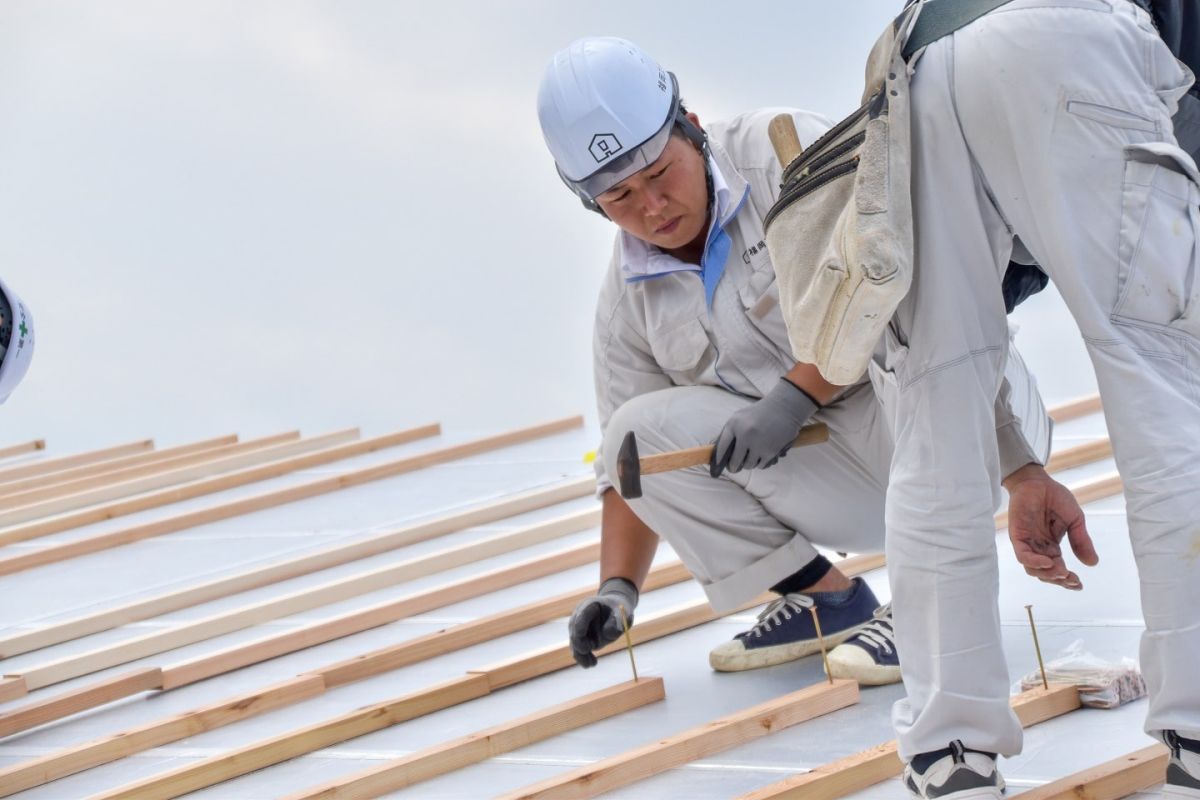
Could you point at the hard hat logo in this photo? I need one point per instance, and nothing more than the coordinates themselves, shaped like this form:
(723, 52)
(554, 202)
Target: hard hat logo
(604, 146)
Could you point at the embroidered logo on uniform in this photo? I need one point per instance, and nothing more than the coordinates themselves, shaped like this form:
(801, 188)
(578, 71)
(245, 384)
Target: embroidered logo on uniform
(753, 250)
(604, 146)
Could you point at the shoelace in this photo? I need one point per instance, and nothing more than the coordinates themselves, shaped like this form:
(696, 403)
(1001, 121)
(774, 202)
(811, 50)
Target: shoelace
(780, 609)
(878, 632)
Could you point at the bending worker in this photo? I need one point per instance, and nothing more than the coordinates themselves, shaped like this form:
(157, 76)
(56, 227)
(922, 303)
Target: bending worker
(690, 348)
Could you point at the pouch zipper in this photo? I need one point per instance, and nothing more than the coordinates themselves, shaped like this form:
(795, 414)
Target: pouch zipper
(832, 155)
(802, 160)
(795, 192)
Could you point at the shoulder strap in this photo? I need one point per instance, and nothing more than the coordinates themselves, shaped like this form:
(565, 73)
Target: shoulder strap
(940, 18)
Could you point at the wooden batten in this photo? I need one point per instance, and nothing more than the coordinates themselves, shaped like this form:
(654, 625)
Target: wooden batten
(699, 742)
(112, 469)
(49, 465)
(64, 705)
(326, 558)
(175, 486)
(880, 763)
(210, 771)
(1079, 455)
(1074, 409)
(104, 541)
(23, 448)
(1111, 780)
(61, 763)
(497, 740)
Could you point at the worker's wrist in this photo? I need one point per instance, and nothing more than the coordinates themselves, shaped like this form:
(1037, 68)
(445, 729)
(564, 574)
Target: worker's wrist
(1031, 471)
(786, 380)
(622, 588)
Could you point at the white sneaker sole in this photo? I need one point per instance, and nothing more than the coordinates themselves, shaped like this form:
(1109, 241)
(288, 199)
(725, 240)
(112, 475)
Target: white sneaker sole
(732, 656)
(854, 663)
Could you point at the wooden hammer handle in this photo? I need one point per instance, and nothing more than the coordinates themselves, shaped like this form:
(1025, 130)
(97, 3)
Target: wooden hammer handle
(695, 456)
(785, 140)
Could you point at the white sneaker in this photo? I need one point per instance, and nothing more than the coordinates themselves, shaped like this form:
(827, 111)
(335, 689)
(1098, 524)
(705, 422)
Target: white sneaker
(955, 773)
(869, 656)
(1183, 771)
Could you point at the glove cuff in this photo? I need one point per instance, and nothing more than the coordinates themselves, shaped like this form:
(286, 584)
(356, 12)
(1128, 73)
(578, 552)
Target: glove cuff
(816, 406)
(623, 589)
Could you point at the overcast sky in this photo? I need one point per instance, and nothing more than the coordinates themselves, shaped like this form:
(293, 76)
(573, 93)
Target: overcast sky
(254, 216)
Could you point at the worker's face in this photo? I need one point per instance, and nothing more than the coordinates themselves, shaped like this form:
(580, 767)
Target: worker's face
(665, 204)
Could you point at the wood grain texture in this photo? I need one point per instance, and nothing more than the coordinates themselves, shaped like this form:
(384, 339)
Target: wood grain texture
(704, 740)
(61, 763)
(497, 740)
(1113, 779)
(189, 483)
(159, 641)
(271, 499)
(213, 770)
(695, 456)
(784, 139)
(48, 465)
(64, 705)
(324, 558)
(880, 763)
(154, 459)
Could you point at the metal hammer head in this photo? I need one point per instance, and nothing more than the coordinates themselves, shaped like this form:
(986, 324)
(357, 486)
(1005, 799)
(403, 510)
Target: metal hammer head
(629, 468)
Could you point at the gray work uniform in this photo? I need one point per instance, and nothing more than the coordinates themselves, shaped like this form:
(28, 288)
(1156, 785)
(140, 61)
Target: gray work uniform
(673, 367)
(1047, 120)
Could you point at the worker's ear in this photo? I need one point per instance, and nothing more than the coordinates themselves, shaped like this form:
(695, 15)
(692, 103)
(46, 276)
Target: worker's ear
(693, 118)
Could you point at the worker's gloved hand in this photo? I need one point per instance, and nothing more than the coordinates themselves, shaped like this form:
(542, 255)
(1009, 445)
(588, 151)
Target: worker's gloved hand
(758, 435)
(596, 621)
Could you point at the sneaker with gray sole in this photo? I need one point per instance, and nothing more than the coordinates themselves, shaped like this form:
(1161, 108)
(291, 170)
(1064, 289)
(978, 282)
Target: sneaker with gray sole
(1183, 770)
(785, 630)
(869, 656)
(955, 773)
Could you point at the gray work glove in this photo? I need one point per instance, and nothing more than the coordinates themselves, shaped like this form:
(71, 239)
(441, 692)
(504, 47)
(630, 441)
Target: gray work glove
(758, 435)
(596, 621)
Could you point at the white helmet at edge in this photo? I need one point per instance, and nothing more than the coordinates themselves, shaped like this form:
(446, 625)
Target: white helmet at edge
(16, 340)
(607, 110)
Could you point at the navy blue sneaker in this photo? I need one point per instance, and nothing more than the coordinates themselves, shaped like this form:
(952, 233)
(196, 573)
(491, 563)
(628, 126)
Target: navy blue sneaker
(785, 630)
(869, 656)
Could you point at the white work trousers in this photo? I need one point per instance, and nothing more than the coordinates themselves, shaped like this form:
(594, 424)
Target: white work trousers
(746, 531)
(1048, 120)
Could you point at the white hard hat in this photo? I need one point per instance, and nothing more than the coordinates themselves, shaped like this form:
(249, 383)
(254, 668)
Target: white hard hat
(16, 340)
(607, 110)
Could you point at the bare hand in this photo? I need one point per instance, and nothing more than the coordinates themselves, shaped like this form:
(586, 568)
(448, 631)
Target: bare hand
(1040, 512)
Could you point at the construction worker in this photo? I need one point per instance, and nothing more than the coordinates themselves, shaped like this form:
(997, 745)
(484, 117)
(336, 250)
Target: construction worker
(690, 349)
(1044, 126)
(16, 340)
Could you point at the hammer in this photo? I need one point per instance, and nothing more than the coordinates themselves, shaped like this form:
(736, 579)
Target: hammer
(631, 467)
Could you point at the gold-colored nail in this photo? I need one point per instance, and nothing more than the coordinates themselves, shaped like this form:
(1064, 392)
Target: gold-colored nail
(628, 642)
(821, 641)
(1037, 648)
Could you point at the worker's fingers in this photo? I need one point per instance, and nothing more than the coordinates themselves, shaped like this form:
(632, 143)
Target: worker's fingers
(1081, 543)
(583, 658)
(721, 453)
(1033, 555)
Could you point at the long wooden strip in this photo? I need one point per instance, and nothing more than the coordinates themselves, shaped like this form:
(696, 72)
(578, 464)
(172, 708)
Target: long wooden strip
(68, 761)
(22, 449)
(165, 461)
(74, 759)
(283, 458)
(246, 616)
(699, 742)
(1076, 408)
(290, 568)
(1079, 455)
(1120, 777)
(229, 659)
(112, 465)
(256, 651)
(97, 694)
(286, 746)
(92, 544)
(861, 770)
(65, 462)
(489, 743)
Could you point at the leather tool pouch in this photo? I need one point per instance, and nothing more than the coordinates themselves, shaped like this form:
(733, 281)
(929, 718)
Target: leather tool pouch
(841, 235)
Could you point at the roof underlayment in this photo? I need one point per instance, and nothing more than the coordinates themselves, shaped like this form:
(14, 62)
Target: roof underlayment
(1105, 616)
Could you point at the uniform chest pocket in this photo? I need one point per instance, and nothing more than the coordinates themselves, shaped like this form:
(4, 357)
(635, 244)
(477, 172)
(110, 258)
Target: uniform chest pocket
(680, 347)
(1159, 232)
(760, 297)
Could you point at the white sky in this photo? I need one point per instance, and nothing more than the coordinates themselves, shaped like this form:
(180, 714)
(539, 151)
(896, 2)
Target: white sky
(254, 216)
